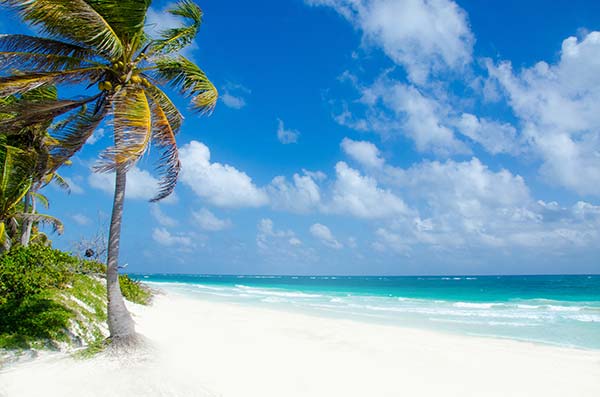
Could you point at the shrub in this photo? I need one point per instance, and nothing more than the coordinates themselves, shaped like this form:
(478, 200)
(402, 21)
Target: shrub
(134, 291)
(33, 319)
(87, 266)
(26, 271)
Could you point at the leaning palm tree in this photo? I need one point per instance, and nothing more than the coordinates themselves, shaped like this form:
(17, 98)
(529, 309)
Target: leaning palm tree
(36, 142)
(101, 43)
(15, 182)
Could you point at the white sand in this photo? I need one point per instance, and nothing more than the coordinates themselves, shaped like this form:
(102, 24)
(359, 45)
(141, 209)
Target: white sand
(215, 349)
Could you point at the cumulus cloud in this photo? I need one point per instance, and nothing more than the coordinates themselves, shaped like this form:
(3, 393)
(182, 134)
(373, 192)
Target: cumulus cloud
(162, 218)
(301, 196)
(81, 219)
(219, 184)
(457, 204)
(393, 107)
(424, 36)
(209, 221)
(364, 152)
(360, 196)
(163, 237)
(141, 185)
(280, 245)
(557, 105)
(493, 136)
(233, 95)
(324, 235)
(96, 136)
(286, 136)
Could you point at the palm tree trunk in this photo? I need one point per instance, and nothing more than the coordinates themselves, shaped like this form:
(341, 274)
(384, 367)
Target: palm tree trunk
(27, 223)
(120, 323)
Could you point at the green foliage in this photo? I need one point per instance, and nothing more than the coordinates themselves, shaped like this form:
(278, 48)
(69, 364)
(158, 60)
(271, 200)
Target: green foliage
(86, 266)
(44, 291)
(33, 319)
(134, 291)
(26, 271)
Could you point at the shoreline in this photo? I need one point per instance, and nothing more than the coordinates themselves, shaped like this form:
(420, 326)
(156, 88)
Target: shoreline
(206, 348)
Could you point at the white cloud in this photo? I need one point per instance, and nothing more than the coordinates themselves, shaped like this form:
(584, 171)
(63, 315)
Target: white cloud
(162, 218)
(466, 204)
(557, 106)
(81, 219)
(302, 196)
(360, 196)
(424, 36)
(209, 221)
(364, 152)
(393, 107)
(294, 241)
(140, 185)
(96, 136)
(232, 101)
(286, 136)
(233, 95)
(323, 233)
(163, 237)
(281, 245)
(495, 137)
(219, 184)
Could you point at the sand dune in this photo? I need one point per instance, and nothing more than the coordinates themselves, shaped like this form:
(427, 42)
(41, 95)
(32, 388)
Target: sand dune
(200, 348)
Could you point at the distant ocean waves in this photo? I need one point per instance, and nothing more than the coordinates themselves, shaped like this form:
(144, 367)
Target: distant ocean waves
(496, 307)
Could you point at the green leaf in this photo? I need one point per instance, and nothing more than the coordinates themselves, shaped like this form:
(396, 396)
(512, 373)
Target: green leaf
(20, 83)
(72, 20)
(191, 80)
(126, 18)
(175, 39)
(168, 163)
(132, 130)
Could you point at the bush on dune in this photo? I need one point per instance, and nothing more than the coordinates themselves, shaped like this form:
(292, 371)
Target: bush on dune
(44, 291)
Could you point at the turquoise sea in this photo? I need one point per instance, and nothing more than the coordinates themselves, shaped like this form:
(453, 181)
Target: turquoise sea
(557, 310)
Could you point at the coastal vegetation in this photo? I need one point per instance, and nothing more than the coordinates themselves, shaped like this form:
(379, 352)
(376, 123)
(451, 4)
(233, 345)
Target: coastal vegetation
(98, 49)
(50, 299)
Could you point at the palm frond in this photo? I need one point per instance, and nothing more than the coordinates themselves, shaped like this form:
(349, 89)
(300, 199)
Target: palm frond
(26, 113)
(60, 182)
(15, 177)
(175, 39)
(43, 200)
(20, 83)
(72, 135)
(173, 115)
(126, 18)
(27, 61)
(168, 164)
(132, 130)
(41, 45)
(73, 20)
(55, 223)
(183, 74)
(24, 52)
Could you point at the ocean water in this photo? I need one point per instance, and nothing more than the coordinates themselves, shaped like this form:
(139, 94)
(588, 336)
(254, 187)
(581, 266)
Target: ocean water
(557, 310)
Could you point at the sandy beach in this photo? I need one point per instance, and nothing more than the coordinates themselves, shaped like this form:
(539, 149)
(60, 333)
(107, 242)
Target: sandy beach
(200, 348)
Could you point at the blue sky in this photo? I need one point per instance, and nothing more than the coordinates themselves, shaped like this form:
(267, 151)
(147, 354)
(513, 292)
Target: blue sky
(372, 137)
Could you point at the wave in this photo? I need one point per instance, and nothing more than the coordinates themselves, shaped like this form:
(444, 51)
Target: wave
(476, 305)
(271, 292)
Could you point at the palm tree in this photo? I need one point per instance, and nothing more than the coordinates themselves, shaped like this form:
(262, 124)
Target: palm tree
(102, 43)
(15, 181)
(35, 140)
